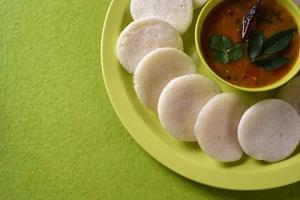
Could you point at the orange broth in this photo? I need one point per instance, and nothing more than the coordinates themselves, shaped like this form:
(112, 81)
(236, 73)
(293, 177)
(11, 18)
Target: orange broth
(226, 19)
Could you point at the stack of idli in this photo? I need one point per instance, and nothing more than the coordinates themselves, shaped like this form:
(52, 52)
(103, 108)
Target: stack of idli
(143, 36)
(181, 101)
(156, 69)
(191, 107)
(156, 24)
(268, 131)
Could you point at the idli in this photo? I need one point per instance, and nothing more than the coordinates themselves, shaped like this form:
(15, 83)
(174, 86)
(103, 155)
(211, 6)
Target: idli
(143, 36)
(199, 3)
(291, 93)
(156, 69)
(216, 127)
(269, 130)
(178, 13)
(181, 101)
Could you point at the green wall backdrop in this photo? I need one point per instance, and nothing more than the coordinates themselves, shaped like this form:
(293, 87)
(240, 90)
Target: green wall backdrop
(59, 136)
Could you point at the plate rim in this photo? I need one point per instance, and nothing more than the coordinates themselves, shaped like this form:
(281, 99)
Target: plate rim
(166, 155)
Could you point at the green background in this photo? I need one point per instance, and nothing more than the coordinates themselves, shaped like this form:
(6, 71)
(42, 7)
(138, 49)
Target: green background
(59, 136)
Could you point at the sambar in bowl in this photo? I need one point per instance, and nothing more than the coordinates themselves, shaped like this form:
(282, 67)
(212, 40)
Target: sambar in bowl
(251, 45)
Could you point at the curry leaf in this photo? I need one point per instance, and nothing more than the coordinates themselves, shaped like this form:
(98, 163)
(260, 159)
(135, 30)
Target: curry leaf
(275, 63)
(266, 54)
(255, 45)
(271, 62)
(279, 41)
(237, 52)
(262, 59)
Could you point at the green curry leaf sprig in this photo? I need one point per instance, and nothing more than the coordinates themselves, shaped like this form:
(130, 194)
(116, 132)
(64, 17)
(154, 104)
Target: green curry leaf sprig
(224, 50)
(267, 53)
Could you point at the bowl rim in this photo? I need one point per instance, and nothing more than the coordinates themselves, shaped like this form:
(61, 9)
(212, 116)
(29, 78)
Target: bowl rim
(287, 4)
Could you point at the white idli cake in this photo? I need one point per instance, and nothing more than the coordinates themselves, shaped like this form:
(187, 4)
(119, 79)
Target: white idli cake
(269, 130)
(178, 13)
(156, 69)
(143, 36)
(216, 127)
(181, 101)
(291, 93)
(199, 3)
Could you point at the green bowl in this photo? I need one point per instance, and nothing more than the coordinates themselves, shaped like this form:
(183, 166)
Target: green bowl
(294, 11)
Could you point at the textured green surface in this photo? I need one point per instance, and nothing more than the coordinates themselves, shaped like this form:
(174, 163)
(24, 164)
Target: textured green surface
(59, 136)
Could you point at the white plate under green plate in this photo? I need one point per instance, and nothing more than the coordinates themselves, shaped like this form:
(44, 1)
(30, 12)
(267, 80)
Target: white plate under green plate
(186, 159)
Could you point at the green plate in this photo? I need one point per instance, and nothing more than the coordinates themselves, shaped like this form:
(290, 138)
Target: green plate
(186, 159)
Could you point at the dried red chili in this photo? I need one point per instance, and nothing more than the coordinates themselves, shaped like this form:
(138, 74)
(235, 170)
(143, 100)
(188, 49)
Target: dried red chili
(250, 20)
